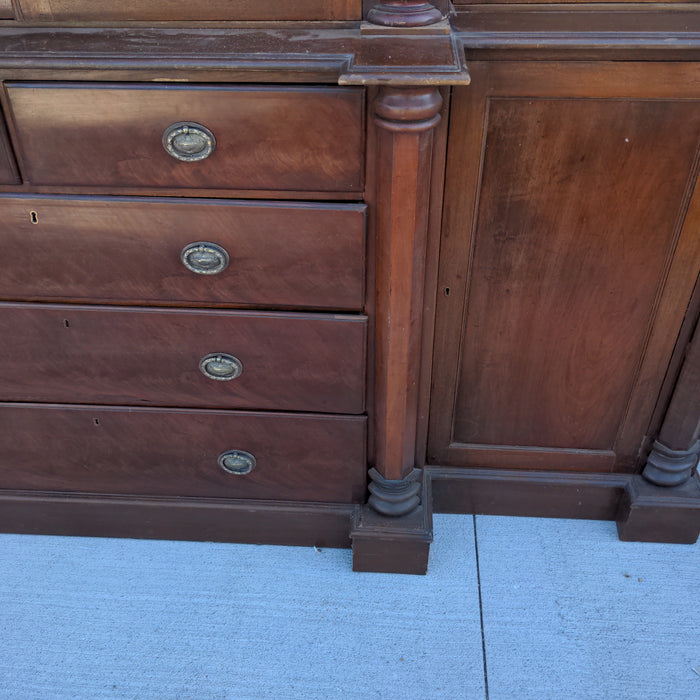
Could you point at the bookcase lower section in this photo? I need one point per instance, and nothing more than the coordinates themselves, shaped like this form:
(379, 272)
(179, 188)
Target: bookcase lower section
(397, 545)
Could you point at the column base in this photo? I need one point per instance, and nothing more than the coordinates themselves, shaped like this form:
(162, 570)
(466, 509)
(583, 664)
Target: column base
(394, 545)
(649, 513)
(404, 14)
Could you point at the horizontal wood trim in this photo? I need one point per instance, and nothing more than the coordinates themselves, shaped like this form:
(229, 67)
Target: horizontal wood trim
(508, 457)
(285, 195)
(598, 79)
(240, 54)
(526, 16)
(563, 5)
(181, 10)
(527, 494)
(206, 520)
(604, 31)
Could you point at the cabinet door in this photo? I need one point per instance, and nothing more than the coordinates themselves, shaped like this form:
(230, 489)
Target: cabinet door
(570, 249)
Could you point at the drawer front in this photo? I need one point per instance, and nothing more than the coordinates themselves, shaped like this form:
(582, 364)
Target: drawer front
(186, 10)
(300, 139)
(93, 449)
(144, 251)
(159, 357)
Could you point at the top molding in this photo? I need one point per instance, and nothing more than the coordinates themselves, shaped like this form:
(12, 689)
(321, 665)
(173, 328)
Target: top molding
(347, 56)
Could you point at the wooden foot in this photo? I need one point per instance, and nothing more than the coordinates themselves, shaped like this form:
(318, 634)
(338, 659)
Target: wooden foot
(650, 513)
(394, 545)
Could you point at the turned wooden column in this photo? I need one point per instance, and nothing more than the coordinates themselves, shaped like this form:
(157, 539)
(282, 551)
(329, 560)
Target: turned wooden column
(404, 13)
(405, 119)
(674, 455)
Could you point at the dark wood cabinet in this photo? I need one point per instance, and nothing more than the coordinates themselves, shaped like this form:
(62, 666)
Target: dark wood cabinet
(569, 255)
(301, 272)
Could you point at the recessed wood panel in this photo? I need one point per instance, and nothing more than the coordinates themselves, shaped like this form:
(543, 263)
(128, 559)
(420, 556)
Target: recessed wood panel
(128, 250)
(301, 139)
(568, 258)
(578, 211)
(96, 449)
(185, 10)
(6, 11)
(142, 357)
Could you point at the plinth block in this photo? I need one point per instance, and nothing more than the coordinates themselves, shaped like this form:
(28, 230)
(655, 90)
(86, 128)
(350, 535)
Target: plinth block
(649, 513)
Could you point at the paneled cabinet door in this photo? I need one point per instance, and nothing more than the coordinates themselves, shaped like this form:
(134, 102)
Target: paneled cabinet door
(569, 253)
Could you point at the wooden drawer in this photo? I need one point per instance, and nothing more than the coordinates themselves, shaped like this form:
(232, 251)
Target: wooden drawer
(132, 251)
(185, 10)
(112, 355)
(269, 138)
(97, 449)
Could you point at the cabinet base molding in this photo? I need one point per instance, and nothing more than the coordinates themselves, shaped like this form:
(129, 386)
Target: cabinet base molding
(394, 545)
(207, 520)
(644, 512)
(650, 513)
(536, 494)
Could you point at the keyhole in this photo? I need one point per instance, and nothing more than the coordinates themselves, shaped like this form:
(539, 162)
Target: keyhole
(97, 422)
(34, 217)
(66, 323)
(447, 291)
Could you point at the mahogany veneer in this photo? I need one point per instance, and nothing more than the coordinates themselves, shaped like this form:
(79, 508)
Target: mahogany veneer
(155, 452)
(129, 251)
(113, 355)
(179, 10)
(302, 138)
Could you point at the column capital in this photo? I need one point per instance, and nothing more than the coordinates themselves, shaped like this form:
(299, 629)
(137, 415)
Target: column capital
(407, 109)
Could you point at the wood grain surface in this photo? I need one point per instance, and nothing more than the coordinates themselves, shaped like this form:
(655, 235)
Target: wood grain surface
(95, 449)
(182, 10)
(112, 355)
(568, 286)
(579, 201)
(303, 138)
(128, 251)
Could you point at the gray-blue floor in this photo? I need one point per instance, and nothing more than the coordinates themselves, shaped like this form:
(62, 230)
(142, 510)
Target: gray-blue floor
(511, 608)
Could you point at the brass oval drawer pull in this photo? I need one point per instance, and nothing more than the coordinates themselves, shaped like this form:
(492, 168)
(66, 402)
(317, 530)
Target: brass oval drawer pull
(204, 258)
(220, 366)
(237, 462)
(188, 141)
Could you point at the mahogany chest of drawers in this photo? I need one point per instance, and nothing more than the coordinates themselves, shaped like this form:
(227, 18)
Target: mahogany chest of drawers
(300, 272)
